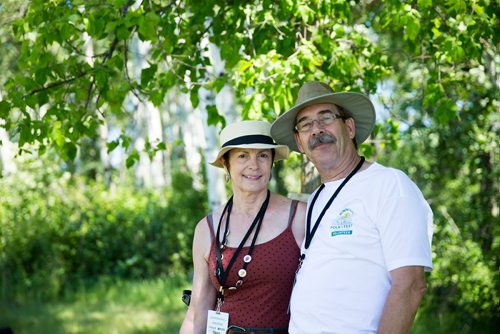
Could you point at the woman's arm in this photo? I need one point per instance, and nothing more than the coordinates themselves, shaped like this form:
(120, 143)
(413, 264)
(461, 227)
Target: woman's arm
(204, 293)
(299, 223)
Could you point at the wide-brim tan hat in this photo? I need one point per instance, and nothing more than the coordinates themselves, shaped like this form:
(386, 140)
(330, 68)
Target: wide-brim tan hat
(248, 134)
(357, 105)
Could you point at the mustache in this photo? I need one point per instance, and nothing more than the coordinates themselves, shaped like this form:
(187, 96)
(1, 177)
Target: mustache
(321, 139)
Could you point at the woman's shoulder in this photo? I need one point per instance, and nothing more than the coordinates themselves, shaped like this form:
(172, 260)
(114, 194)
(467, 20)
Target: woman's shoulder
(280, 201)
(283, 203)
(202, 225)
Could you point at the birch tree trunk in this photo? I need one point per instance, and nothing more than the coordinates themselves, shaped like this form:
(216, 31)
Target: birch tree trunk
(215, 176)
(310, 179)
(225, 103)
(148, 123)
(7, 149)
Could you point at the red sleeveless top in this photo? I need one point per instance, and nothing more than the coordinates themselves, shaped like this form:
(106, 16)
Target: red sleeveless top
(262, 301)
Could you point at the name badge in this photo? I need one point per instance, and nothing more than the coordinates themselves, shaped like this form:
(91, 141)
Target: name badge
(217, 323)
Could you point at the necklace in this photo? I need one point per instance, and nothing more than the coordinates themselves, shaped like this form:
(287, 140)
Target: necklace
(221, 273)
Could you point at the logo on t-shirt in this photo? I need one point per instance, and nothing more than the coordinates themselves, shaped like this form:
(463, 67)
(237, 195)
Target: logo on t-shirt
(342, 225)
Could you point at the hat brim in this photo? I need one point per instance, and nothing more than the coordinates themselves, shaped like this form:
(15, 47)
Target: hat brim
(281, 152)
(358, 105)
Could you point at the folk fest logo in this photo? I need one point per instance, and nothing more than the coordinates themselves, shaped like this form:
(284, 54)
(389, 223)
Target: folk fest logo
(342, 225)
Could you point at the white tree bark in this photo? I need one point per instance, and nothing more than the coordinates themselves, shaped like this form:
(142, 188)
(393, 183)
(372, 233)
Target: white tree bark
(7, 149)
(215, 176)
(105, 163)
(224, 101)
(148, 123)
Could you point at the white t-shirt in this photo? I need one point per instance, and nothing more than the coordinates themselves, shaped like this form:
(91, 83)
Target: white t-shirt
(379, 221)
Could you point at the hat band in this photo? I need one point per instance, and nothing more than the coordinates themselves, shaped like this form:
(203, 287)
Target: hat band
(251, 139)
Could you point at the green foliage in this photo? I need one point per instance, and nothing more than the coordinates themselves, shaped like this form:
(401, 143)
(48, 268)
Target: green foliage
(445, 96)
(463, 289)
(58, 229)
(441, 58)
(73, 60)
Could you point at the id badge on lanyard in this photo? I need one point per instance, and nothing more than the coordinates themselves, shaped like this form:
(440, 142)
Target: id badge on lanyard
(217, 322)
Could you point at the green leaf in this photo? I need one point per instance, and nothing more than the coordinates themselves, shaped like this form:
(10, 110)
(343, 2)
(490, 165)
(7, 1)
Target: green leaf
(122, 32)
(170, 39)
(424, 3)
(74, 18)
(43, 98)
(194, 97)
(446, 111)
(214, 117)
(70, 150)
(25, 135)
(148, 26)
(31, 101)
(4, 109)
(219, 83)
(41, 76)
(132, 158)
(57, 134)
(157, 97)
(95, 26)
(243, 65)
(412, 29)
(119, 3)
(112, 145)
(117, 62)
(125, 140)
(101, 77)
(147, 74)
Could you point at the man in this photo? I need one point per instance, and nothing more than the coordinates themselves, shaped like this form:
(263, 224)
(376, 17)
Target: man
(368, 227)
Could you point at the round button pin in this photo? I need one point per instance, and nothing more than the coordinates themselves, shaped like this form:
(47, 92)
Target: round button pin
(242, 273)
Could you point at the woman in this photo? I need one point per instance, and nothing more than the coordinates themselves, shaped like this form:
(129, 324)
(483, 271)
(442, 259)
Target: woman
(245, 253)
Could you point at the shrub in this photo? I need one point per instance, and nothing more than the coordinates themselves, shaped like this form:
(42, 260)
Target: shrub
(58, 229)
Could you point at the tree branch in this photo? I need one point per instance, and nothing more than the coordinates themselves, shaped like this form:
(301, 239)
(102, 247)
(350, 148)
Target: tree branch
(107, 56)
(56, 84)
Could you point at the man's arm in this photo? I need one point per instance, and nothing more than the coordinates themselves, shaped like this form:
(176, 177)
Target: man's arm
(407, 290)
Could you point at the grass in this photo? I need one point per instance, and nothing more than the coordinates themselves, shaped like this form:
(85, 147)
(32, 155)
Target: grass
(150, 306)
(154, 306)
(452, 322)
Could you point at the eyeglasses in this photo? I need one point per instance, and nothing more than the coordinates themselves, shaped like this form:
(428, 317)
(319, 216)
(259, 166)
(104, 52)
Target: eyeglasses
(306, 124)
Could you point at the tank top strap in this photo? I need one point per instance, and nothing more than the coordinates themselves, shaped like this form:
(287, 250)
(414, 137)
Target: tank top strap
(210, 223)
(293, 209)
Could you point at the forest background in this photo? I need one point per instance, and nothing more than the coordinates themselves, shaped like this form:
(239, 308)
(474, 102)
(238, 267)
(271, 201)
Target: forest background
(110, 110)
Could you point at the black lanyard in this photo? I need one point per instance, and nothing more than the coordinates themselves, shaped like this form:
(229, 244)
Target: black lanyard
(309, 233)
(222, 274)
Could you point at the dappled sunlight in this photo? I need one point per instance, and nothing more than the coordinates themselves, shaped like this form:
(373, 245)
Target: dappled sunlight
(149, 306)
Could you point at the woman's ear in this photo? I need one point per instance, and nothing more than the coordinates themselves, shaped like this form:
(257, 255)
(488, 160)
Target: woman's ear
(227, 175)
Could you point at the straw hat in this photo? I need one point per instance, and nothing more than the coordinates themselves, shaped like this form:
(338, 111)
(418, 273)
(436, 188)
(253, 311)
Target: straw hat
(357, 105)
(248, 134)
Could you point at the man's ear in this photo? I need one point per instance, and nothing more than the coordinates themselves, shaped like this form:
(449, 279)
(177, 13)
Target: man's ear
(351, 127)
(297, 141)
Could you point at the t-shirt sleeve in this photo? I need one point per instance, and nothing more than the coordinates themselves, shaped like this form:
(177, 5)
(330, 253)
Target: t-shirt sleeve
(405, 225)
